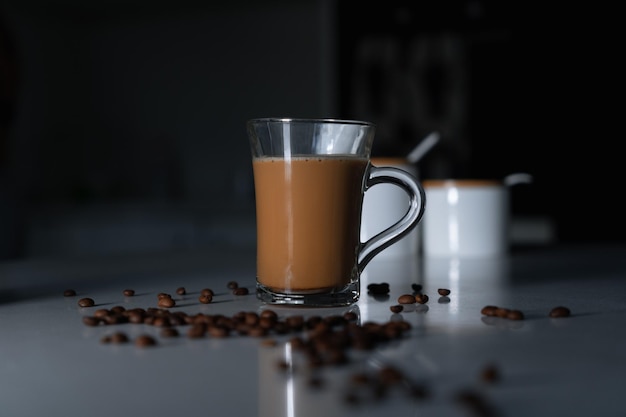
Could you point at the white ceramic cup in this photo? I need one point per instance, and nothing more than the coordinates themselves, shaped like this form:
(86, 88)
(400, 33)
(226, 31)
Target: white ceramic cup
(385, 204)
(465, 218)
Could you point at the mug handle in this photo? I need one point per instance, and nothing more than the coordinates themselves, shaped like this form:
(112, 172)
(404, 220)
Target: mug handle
(417, 205)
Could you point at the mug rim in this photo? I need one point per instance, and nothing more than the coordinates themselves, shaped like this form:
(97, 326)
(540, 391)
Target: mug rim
(312, 120)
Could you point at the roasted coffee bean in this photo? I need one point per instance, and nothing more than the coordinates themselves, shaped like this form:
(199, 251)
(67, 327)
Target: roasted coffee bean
(169, 332)
(207, 291)
(490, 374)
(240, 291)
(396, 308)
(69, 293)
(91, 320)
(86, 302)
(515, 315)
(416, 287)
(128, 292)
(350, 316)
(489, 310)
(443, 291)
(421, 298)
(232, 285)
(560, 311)
(197, 331)
(163, 295)
(119, 337)
(181, 291)
(218, 331)
(118, 309)
(382, 288)
(269, 314)
(269, 342)
(101, 312)
(205, 298)
(166, 302)
(501, 312)
(145, 340)
(406, 299)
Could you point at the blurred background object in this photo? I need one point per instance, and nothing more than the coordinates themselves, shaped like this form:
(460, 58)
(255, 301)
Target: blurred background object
(108, 108)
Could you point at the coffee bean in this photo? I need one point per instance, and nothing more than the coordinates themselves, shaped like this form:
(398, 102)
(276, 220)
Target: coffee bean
(69, 293)
(421, 298)
(205, 298)
(240, 291)
(86, 302)
(181, 291)
(416, 287)
(406, 299)
(489, 310)
(350, 316)
(166, 302)
(269, 342)
(128, 292)
(490, 374)
(396, 308)
(163, 295)
(145, 341)
(232, 285)
(443, 291)
(207, 291)
(91, 320)
(515, 315)
(502, 312)
(119, 337)
(560, 311)
(382, 288)
(169, 332)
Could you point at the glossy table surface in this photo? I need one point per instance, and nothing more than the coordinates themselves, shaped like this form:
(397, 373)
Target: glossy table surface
(52, 364)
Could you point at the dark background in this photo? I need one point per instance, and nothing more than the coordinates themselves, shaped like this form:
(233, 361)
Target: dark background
(123, 122)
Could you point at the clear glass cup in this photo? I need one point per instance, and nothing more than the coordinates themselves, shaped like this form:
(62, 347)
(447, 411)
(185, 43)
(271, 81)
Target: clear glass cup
(310, 177)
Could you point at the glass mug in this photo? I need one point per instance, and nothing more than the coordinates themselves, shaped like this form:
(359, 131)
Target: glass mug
(310, 177)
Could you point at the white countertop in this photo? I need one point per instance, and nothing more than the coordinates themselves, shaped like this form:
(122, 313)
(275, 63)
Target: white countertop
(52, 364)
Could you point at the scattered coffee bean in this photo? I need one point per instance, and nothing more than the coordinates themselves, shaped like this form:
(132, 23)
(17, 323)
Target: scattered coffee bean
(502, 312)
(69, 293)
(443, 291)
(382, 288)
(119, 337)
(181, 291)
(490, 374)
(232, 285)
(350, 316)
(416, 287)
(207, 291)
(169, 332)
(421, 298)
(406, 299)
(240, 291)
(205, 298)
(86, 302)
(91, 320)
(167, 302)
(560, 311)
(396, 308)
(515, 315)
(163, 295)
(489, 310)
(145, 341)
(128, 292)
(269, 342)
